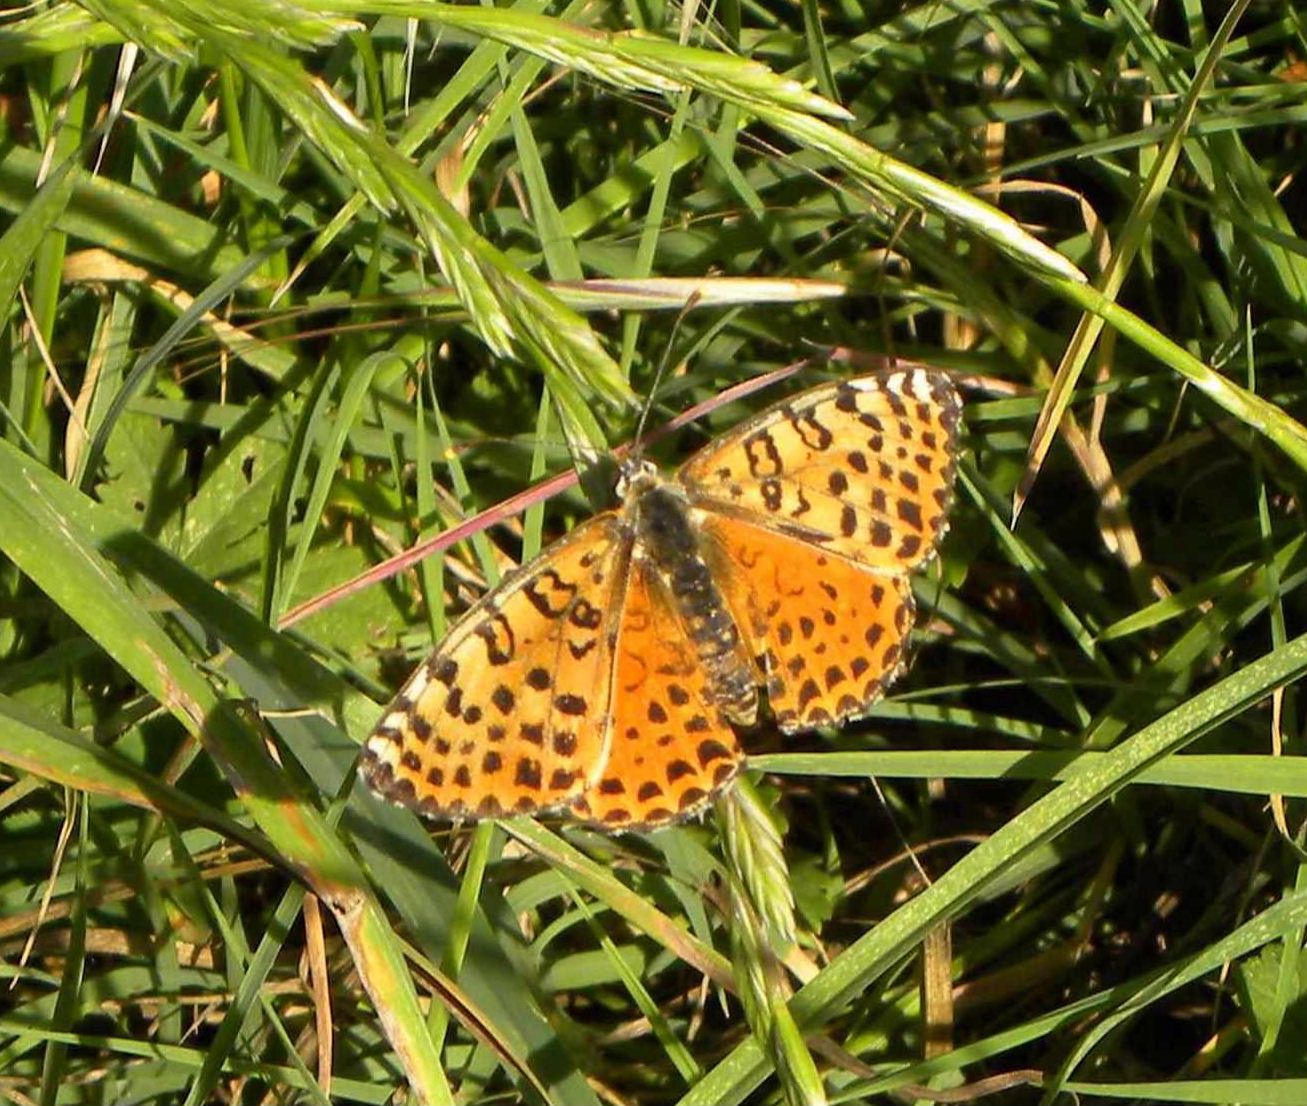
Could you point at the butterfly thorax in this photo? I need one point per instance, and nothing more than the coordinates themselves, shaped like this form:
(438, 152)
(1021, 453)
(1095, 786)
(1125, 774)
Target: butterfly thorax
(667, 537)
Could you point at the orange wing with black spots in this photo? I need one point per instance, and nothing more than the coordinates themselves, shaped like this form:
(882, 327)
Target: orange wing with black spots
(604, 677)
(863, 468)
(670, 752)
(829, 634)
(508, 714)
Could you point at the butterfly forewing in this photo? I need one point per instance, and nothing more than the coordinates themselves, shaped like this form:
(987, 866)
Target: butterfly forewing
(863, 467)
(508, 714)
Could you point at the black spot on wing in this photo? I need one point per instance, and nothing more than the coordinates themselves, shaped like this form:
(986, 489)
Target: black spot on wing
(528, 774)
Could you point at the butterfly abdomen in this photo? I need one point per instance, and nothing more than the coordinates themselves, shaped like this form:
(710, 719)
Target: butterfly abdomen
(668, 538)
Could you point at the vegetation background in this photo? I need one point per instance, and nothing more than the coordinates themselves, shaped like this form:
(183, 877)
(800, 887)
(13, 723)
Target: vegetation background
(291, 288)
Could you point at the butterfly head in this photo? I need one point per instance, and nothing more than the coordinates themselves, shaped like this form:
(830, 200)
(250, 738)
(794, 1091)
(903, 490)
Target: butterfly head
(636, 475)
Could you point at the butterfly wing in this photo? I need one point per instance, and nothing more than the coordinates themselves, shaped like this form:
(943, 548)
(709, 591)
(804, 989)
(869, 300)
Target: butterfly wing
(813, 515)
(864, 468)
(670, 752)
(508, 714)
(830, 633)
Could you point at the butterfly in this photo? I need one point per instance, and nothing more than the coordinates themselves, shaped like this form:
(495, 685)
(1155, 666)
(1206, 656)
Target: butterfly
(606, 677)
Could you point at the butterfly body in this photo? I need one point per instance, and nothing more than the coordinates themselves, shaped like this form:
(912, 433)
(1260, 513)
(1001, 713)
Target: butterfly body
(605, 678)
(668, 534)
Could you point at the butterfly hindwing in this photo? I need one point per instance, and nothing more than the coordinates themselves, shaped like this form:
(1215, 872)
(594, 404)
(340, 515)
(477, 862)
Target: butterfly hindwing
(508, 714)
(829, 633)
(670, 751)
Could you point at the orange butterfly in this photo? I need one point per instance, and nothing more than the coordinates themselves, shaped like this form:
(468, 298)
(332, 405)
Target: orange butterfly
(606, 676)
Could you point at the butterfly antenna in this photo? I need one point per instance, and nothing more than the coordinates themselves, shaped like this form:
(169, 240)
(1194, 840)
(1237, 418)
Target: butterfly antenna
(660, 372)
(908, 847)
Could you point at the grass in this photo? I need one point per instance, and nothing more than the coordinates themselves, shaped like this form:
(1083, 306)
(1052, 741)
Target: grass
(290, 291)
